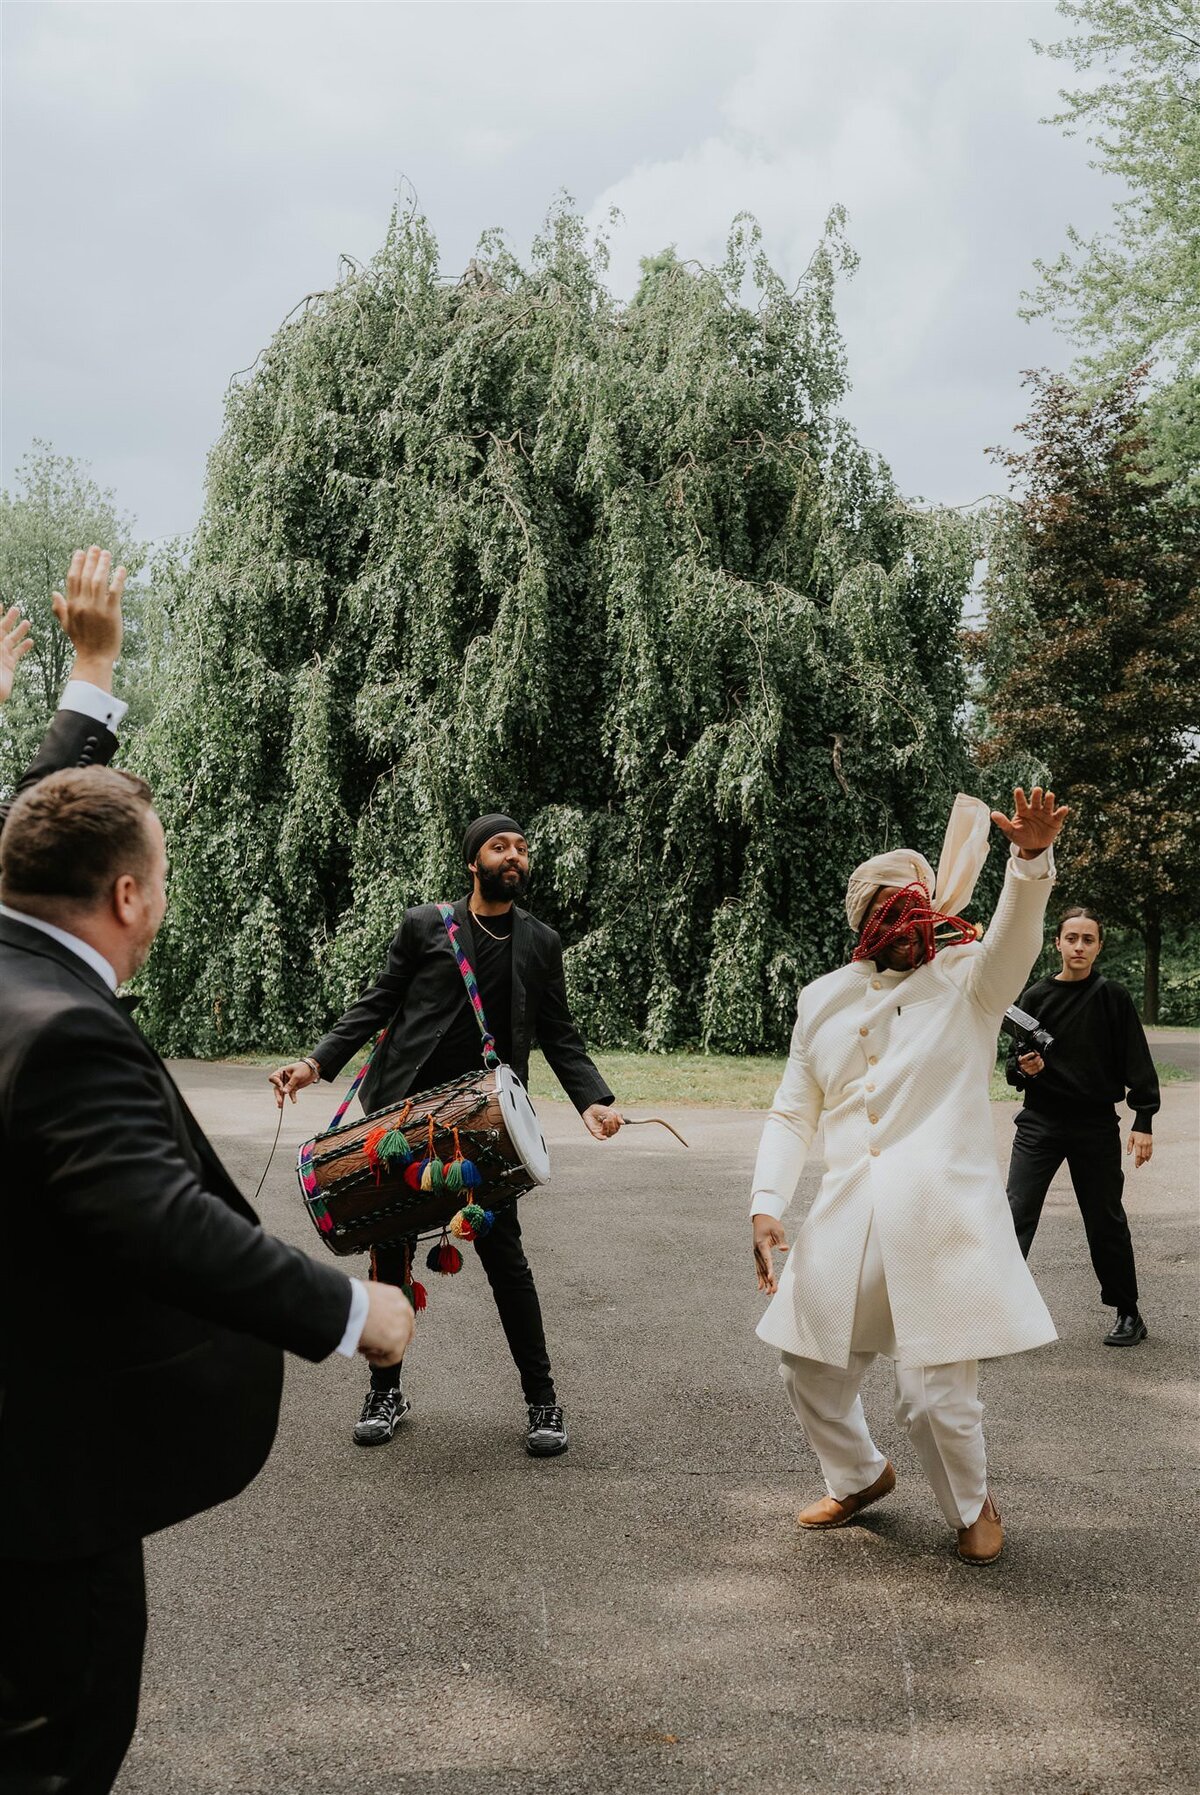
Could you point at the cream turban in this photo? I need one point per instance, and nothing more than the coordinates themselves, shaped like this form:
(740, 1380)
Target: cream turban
(964, 850)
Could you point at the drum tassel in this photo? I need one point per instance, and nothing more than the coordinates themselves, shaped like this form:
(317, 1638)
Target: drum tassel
(471, 1222)
(413, 1291)
(444, 1257)
(409, 1287)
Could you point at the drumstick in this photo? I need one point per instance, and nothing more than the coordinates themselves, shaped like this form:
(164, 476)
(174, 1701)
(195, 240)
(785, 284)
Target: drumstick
(637, 1121)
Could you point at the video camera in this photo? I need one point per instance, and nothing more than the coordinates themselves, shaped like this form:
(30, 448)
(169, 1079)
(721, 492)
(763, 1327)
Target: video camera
(1025, 1031)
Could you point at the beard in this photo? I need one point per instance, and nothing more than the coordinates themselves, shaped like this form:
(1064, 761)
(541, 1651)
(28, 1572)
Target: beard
(140, 951)
(903, 955)
(505, 885)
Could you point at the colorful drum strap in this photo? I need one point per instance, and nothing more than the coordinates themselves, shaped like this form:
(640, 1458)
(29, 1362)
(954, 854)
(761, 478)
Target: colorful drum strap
(491, 1058)
(352, 1093)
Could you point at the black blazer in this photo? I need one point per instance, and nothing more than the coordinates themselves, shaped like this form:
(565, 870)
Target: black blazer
(419, 991)
(142, 1308)
(72, 740)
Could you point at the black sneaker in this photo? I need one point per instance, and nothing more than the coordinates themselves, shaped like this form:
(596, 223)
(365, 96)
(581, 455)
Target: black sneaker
(1129, 1331)
(547, 1435)
(382, 1413)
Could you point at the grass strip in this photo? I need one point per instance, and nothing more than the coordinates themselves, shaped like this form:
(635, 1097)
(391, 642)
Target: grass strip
(691, 1080)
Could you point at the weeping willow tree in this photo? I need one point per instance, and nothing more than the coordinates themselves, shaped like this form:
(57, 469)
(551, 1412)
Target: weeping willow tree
(504, 543)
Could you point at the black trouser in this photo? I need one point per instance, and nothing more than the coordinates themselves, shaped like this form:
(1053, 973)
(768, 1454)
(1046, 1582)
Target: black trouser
(1092, 1151)
(71, 1638)
(503, 1259)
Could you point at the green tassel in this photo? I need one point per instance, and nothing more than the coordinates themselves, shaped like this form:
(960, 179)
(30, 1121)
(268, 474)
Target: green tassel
(432, 1175)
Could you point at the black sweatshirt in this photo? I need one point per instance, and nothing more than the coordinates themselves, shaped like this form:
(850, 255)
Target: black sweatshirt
(1094, 1061)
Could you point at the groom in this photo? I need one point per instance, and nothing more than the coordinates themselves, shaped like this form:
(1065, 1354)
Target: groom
(908, 1249)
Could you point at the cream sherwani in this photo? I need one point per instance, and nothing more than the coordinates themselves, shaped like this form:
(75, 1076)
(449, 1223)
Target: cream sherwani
(896, 1066)
(909, 1246)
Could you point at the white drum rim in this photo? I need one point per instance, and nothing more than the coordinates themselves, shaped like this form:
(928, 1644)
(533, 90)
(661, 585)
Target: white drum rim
(524, 1128)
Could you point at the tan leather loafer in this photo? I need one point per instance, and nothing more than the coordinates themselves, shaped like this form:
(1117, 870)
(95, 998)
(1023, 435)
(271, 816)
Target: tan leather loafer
(832, 1511)
(983, 1541)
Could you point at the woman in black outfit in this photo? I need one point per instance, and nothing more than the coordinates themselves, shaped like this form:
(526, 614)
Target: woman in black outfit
(1100, 1057)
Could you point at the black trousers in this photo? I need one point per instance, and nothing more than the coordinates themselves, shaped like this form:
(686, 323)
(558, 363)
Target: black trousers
(1093, 1155)
(71, 1639)
(502, 1257)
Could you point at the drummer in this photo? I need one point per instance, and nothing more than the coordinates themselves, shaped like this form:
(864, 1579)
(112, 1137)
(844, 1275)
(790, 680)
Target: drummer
(434, 1037)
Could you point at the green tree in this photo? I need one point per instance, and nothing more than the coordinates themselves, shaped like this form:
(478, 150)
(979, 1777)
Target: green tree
(1091, 654)
(502, 542)
(54, 508)
(1132, 294)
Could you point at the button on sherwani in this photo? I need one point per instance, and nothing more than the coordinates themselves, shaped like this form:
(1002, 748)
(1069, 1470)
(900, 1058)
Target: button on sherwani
(895, 1068)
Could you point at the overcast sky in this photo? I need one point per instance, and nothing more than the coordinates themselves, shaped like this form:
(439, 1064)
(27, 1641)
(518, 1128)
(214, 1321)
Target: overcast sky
(177, 176)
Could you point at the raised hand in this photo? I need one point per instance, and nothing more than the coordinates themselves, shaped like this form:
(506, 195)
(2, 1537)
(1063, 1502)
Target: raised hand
(1036, 821)
(90, 613)
(15, 643)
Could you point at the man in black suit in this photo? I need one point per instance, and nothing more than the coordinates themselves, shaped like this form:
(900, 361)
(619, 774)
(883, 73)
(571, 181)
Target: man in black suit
(153, 1290)
(434, 1037)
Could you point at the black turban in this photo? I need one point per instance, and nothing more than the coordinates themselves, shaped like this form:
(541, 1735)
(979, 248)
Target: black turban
(483, 829)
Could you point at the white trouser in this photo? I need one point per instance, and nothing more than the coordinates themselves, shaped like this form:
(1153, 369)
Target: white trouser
(938, 1404)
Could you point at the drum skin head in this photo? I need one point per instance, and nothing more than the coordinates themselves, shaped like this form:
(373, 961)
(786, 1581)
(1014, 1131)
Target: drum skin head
(524, 1129)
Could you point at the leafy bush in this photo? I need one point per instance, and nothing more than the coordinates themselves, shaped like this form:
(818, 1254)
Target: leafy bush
(501, 543)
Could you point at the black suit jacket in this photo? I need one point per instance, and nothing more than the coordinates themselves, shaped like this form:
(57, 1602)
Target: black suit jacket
(142, 1308)
(72, 740)
(419, 991)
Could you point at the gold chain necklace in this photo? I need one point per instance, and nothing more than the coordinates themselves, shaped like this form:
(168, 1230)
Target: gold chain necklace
(475, 917)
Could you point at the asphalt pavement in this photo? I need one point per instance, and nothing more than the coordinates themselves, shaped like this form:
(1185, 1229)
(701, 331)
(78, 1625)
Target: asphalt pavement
(448, 1616)
(1178, 1047)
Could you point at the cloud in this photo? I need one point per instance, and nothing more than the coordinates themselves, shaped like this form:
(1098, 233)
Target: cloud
(923, 121)
(178, 176)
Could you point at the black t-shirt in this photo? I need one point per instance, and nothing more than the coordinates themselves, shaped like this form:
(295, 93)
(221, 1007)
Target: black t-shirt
(1100, 1054)
(489, 949)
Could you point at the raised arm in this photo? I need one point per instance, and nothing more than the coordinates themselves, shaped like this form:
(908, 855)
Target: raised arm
(994, 974)
(73, 739)
(82, 731)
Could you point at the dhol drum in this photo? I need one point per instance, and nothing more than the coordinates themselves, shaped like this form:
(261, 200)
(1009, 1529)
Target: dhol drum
(414, 1166)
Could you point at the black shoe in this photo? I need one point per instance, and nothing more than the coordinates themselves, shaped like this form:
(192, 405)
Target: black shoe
(547, 1435)
(1130, 1329)
(382, 1413)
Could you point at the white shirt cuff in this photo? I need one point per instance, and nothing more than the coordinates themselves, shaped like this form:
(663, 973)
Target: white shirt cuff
(359, 1301)
(765, 1204)
(90, 701)
(1040, 867)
